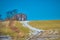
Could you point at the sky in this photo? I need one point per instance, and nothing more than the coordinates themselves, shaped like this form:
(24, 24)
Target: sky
(34, 9)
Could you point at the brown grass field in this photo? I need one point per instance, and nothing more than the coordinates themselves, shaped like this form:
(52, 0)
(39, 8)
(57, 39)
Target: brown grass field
(47, 25)
(6, 30)
(23, 32)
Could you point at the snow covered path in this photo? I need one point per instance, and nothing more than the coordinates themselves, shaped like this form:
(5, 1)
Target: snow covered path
(35, 30)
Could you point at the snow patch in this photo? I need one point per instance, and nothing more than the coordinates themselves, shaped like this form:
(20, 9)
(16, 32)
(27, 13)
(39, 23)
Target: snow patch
(34, 30)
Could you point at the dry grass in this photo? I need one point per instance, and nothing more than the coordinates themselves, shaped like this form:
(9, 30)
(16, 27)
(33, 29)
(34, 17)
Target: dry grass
(6, 30)
(45, 25)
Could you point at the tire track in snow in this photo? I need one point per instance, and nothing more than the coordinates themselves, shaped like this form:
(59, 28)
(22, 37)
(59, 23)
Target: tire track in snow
(35, 30)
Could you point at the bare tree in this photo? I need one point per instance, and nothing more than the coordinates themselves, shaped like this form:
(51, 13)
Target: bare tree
(1, 18)
(10, 14)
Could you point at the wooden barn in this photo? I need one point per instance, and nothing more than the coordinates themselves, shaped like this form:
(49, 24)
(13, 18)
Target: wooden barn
(20, 17)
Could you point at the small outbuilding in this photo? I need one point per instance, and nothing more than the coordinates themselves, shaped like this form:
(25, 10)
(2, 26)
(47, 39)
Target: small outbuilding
(20, 17)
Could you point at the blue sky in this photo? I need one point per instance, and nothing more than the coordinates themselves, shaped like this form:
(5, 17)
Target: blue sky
(34, 9)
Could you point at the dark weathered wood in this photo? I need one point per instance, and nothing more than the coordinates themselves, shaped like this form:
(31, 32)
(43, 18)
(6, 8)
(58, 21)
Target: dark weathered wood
(20, 17)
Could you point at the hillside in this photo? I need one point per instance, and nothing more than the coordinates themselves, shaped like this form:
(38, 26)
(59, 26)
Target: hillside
(50, 27)
(45, 25)
(31, 30)
(6, 30)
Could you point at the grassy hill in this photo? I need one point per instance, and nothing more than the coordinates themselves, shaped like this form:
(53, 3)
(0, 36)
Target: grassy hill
(53, 25)
(45, 25)
(6, 30)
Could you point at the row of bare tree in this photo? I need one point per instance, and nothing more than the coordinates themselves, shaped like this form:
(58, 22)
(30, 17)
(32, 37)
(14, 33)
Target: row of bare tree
(9, 15)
